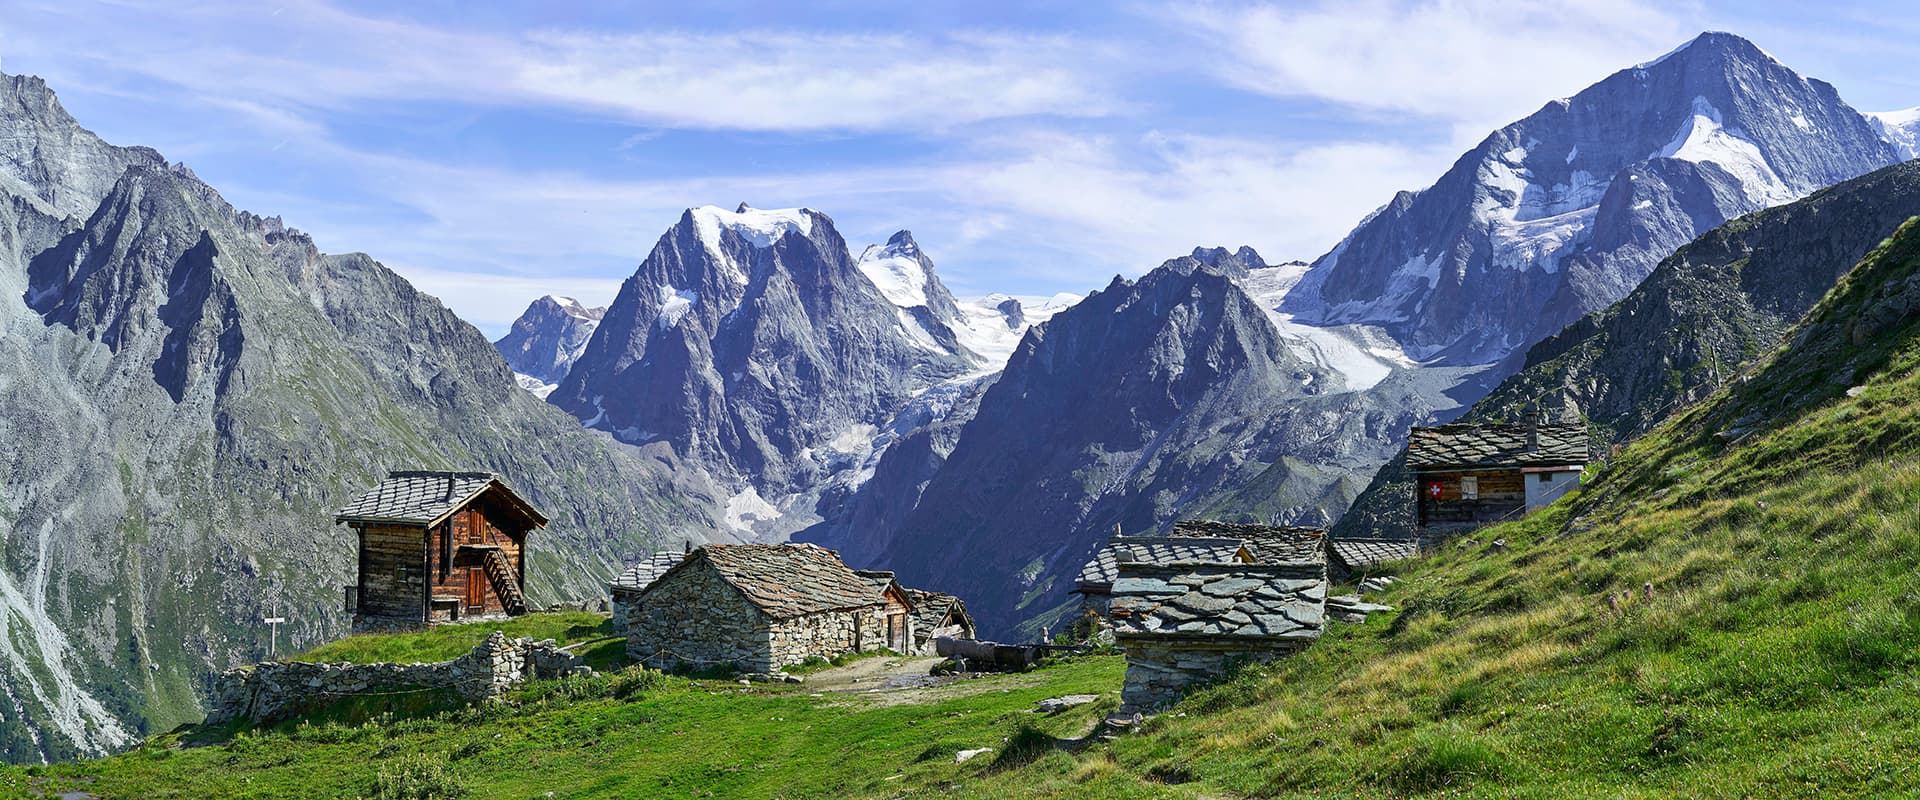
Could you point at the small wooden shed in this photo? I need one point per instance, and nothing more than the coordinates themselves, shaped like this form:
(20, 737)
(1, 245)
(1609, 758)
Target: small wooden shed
(1471, 475)
(438, 547)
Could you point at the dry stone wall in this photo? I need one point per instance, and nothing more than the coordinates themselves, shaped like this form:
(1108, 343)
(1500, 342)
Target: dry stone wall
(698, 620)
(1160, 671)
(277, 690)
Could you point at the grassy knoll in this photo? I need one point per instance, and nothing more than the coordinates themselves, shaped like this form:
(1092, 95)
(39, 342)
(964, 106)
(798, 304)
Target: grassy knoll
(452, 641)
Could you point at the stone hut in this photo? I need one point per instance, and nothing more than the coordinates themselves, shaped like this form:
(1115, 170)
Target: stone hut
(756, 608)
(438, 547)
(627, 586)
(1185, 624)
(1466, 476)
(1094, 584)
(936, 615)
(1351, 558)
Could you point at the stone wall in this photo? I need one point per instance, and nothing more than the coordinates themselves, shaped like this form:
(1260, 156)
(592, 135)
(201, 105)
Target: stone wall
(696, 619)
(277, 690)
(1162, 669)
(825, 635)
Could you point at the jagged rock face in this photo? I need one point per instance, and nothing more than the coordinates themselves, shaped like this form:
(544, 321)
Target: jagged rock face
(1708, 310)
(1699, 321)
(1566, 211)
(187, 393)
(548, 337)
(1237, 263)
(754, 344)
(1145, 402)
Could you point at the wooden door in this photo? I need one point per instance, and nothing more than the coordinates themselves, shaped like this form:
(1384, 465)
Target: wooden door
(476, 588)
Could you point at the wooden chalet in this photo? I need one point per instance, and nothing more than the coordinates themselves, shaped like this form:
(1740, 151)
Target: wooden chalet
(438, 547)
(1472, 475)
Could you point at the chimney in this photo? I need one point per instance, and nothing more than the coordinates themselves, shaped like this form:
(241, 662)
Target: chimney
(449, 487)
(686, 547)
(1533, 427)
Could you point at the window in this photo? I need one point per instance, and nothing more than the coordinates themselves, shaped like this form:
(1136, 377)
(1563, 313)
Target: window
(1469, 488)
(1545, 477)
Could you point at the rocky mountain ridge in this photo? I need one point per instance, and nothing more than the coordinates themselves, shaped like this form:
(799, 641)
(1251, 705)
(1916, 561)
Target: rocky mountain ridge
(188, 392)
(546, 339)
(1564, 212)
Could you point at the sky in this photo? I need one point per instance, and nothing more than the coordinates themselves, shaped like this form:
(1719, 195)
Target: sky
(493, 152)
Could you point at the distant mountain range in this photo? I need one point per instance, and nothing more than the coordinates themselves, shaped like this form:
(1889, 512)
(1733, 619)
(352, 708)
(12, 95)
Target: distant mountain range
(998, 484)
(188, 392)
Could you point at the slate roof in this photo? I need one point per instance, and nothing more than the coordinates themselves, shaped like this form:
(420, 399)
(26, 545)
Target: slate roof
(424, 497)
(1209, 600)
(1561, 444)
(1357, 553)
(1105, 566)
(641, 575)
(787, 580)
(931, 608)
(880, 579)
(1266, 543)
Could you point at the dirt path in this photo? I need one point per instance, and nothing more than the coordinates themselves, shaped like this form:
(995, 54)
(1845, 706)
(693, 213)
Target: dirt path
(874, 673)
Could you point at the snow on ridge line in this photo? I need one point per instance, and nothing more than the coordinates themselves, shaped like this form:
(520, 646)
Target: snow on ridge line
(761, 227)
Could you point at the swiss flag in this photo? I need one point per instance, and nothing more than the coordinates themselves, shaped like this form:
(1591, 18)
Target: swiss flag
(1433, 490)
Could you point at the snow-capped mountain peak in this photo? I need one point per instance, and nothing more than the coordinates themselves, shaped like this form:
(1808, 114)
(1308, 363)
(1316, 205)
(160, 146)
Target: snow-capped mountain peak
(1900, 128)
(547, 338)
(896, 269)
(1563, 212)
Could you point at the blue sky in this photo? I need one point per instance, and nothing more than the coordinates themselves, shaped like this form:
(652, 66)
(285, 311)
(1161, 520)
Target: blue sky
(494, 152)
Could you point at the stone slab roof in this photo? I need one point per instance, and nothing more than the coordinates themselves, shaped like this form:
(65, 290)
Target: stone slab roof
(1471, 446)
(879, 579)
(932, 608)
(641, 575)
(425, 497)
(1216, 601)
(1105, 566)
(1357, 553)
(1266, 543)
(787, 580)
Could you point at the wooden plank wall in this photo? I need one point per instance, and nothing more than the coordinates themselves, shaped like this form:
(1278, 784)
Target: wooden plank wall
(1503, 495)
(392, 581)
(475, 524)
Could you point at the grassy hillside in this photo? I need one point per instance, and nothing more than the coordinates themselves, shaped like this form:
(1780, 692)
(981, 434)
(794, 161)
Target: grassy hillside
(1730, 609)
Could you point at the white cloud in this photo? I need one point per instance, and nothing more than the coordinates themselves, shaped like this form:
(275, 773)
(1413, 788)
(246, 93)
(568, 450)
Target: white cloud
(1126, 205)
(310, 54)
(1479, 63)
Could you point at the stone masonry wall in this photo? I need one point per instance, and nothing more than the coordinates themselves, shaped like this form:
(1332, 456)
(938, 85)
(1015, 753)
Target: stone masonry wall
(1160, 670)
(825, 635)
(695, 618)
(277, 690)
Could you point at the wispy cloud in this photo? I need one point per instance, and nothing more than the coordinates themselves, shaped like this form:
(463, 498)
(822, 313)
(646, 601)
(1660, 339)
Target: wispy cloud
(311, 54)
(1119, 204)
(1479, 63)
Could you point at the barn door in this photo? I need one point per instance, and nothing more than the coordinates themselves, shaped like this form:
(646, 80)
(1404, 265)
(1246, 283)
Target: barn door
(476, 589)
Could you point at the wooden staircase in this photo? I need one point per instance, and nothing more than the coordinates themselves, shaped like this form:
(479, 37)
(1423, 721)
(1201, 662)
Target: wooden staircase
(505, 582)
